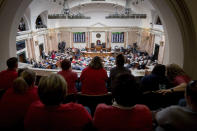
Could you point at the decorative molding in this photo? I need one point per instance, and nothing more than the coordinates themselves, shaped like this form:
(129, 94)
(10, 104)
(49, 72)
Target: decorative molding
(184, 18)
(188, 31)
(98, 25)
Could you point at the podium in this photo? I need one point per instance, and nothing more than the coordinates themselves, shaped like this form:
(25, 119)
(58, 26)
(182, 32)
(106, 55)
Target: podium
(98, 48)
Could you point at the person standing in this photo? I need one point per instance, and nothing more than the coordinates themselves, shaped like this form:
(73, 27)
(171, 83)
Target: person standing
(71, 79)
(8, 76)
(120, 61)
(93, 78)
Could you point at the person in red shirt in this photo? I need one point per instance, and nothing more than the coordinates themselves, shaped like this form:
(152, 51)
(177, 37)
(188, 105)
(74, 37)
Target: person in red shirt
(71, 78)
(93, 78)
(16, 101)
(8, 76)
(124, 114)
(53, 55)
(50, 114)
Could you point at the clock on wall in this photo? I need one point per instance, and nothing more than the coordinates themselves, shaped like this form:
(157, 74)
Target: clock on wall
(98, 35)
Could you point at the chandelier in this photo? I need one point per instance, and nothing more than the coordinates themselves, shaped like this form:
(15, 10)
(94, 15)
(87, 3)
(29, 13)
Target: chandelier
(67, 14)
(128, 13)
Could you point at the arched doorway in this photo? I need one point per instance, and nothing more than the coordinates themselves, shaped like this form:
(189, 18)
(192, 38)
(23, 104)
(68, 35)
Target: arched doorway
(9, 24)
(22, 25)
(174, 15)
(180, 34)
(39, 22)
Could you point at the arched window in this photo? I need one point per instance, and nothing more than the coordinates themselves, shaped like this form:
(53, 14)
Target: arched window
(22, 26)
(158, 21)
(39, 23)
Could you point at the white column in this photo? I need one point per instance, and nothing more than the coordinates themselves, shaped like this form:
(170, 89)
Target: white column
(28, 49)
(50, 42)
(127, 40)
(70, 39)
(140, 37)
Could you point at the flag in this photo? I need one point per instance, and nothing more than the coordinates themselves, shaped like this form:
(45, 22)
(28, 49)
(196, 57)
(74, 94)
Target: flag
(74, 37)
(112, 39)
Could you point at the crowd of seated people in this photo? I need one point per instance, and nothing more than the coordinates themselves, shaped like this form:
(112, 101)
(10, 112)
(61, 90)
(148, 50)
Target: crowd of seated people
(25, 106)
(137, 59)
(166, 83)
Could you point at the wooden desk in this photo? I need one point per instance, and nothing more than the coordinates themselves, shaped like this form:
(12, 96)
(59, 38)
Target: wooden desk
(98, 48)
(93, 54)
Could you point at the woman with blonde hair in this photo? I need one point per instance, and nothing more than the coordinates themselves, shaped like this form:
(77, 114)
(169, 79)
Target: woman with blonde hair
(50, 114)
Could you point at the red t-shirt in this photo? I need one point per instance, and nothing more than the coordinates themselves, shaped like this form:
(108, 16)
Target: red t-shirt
(110, 118)
(93, 81)
(13, 106)
(181, 79)
(71, 78)
(7, 78)
(53, 56)
(64, 117)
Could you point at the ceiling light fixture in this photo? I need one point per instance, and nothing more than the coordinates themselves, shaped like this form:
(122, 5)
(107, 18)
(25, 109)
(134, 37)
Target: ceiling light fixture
(127, 14)
(67, 14)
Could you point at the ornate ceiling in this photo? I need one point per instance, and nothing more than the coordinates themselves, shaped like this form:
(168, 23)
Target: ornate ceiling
(135, 5)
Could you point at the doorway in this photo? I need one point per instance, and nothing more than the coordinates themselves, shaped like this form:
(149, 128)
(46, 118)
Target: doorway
(156, 52)
(41, 49)
(22, 57)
